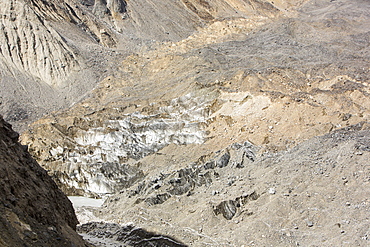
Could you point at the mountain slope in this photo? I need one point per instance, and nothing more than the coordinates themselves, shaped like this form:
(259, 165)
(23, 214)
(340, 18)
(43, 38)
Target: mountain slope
(52, 53)
(313, 194)
(204, 116)
(253, 79)
(34, 212)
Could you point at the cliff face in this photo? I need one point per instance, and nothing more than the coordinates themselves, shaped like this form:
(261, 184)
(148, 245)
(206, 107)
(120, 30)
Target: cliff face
(33, 211)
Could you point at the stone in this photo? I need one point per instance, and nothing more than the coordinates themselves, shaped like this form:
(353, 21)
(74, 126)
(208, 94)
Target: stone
(226, 208)
(215, 192)
(117, 6)
(209, 165)
(157, 199)
(100, 8)
(309, 223)
(272, 191)
(223, 160)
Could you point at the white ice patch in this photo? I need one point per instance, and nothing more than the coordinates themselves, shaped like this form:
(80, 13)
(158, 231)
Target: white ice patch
(137, 135)
(133, 135)
(80, 201)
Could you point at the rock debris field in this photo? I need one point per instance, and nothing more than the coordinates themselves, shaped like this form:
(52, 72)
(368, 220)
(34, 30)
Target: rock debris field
(199, 123)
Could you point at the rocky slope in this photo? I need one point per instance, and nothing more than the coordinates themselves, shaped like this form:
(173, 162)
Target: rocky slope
(273, 81)
(207, 118)
(316, 194)
(40, 69)
(34, 212)
(54, 52)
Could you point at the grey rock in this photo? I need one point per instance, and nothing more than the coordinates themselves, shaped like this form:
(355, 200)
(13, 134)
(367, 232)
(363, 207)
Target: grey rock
(209, 165)
(157, 199)
(100, 8)
(309, 223)
(118, 6)
(229, 208)
(127, 235)
(226, 208)
(223, 161)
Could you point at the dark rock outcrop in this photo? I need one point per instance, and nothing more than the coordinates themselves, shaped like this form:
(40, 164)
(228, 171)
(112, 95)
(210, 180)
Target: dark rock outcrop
(203, 173)
(229, 208)
(33, 211)
(127, 235)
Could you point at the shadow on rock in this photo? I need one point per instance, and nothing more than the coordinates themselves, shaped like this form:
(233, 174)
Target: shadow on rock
(128, 235)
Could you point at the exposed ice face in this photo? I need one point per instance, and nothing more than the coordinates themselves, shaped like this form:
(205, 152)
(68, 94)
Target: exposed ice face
(134, 135)
(123, 138)
(137, 135)
(101, 178)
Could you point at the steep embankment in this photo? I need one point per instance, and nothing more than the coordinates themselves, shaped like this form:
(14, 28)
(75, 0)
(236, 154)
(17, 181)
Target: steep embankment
(33, 210)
